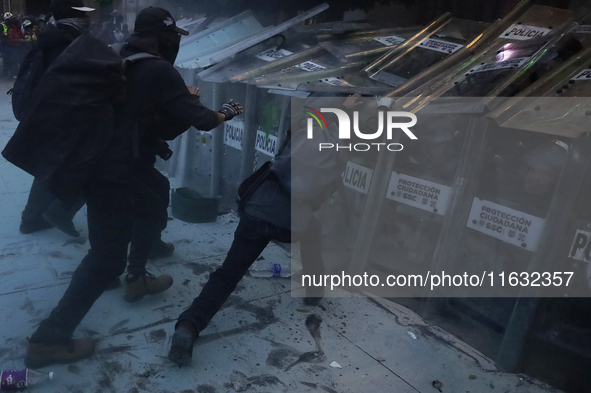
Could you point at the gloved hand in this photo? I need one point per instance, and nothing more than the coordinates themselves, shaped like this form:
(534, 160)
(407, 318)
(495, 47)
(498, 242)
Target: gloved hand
(231, 109)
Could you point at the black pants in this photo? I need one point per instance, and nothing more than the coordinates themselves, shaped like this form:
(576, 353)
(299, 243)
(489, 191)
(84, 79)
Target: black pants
(110, 220)
(250, 239)
(151, 190)
(7, 58)
(42, 200)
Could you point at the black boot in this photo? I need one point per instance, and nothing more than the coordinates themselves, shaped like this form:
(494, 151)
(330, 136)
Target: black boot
(27, 227)
(183, 339)
(63, 224)
(161, 250)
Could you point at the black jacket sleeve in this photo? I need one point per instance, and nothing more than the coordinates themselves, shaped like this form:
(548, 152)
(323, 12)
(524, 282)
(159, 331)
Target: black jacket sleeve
(159, 85)
(187, 110)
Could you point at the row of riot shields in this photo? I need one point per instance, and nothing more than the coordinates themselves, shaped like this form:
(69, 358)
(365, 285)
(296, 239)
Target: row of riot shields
(471, 197)
(498, 197)
(242, 59)
(494, 186)
(558, 339)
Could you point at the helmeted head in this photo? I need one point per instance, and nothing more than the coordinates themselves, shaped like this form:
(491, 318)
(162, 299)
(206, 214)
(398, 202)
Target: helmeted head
(438, 139)
(545, 163)
(549, 155)
(158, 22)
(64, 9)
(6, 16)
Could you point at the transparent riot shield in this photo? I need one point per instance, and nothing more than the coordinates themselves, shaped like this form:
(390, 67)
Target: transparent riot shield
(252, 139)
(552, 329)
(419, 188)
(322, 73)
(514, 67)
(366, 44)
(259, 60)
(559, 338)
(216, 37)
(340, 69)
(516, 58)
(449, 39)
(214, 163)
(500, 216)
(231, 37)
(511, 327)
(294, 46)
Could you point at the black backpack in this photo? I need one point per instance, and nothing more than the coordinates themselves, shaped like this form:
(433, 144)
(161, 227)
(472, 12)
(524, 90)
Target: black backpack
(30, 72)
(70, 116)
(32, 69)
(251, 183)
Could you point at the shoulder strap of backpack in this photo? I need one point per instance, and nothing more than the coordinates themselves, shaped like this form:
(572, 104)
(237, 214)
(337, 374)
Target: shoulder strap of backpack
(137, 57)
(132, 58)
(140, 56)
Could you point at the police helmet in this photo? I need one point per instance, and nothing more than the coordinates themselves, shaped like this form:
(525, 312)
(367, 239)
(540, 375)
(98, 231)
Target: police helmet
(550, 154)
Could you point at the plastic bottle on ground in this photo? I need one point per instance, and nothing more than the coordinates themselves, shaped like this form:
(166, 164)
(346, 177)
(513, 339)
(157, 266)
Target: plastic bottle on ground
(23, 378)
(265, 268)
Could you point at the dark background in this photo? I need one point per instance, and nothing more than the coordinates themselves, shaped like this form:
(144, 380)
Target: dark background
(398, 13)
(380, 12)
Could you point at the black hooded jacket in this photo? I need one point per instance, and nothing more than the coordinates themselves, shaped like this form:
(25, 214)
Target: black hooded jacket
(157, 105)
(51, 42)
(71, 117)
(86, 120)
(156, 88)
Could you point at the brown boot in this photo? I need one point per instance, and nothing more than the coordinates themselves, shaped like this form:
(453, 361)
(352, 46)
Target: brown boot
(41, 355)
(145, 284)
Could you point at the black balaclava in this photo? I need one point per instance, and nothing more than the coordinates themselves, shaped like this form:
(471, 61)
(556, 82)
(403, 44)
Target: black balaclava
(168, 45)
(159, 23)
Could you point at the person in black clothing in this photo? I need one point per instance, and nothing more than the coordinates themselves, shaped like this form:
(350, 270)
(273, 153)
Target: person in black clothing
(273, 212)
(105, 169)
(151, 195)
(43, 210)
(266, 217)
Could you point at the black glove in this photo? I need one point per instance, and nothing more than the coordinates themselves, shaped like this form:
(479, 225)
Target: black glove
(231, 109)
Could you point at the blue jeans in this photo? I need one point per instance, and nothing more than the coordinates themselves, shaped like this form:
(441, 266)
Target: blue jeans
(250, 239)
